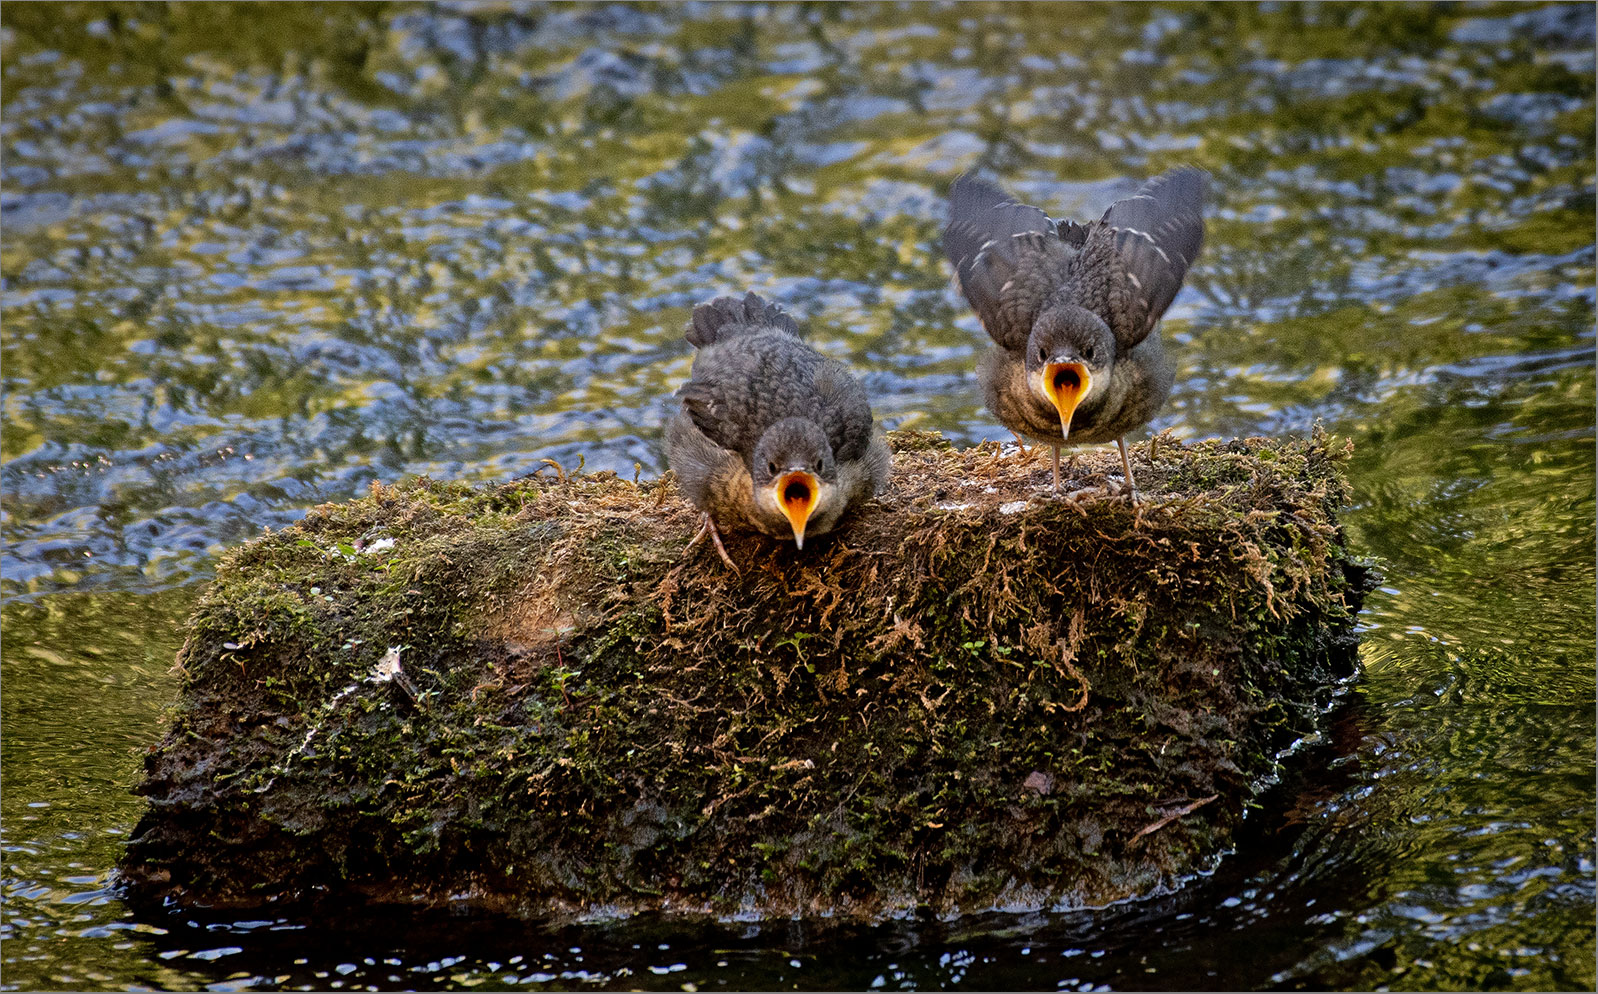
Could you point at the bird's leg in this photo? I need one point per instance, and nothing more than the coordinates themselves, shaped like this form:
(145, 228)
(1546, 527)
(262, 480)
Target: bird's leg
(1126, 465)
(1056, 450)
(721, 550)
(707, 526)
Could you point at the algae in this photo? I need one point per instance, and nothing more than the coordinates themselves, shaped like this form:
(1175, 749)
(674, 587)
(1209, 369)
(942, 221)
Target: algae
(973, 694)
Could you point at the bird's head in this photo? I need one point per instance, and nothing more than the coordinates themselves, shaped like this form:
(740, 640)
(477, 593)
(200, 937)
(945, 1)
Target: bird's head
(1068, 359)
(793, 470)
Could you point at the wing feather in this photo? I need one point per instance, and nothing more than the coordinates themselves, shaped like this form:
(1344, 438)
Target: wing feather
(844, 410)
(1007, 257)
(1156, 236)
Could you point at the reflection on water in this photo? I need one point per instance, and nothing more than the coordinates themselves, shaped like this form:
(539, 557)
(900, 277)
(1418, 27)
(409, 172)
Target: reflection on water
(254, 258)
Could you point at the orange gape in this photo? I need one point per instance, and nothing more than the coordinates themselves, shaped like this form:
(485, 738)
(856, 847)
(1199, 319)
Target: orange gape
(796, 494)
(1066, 383)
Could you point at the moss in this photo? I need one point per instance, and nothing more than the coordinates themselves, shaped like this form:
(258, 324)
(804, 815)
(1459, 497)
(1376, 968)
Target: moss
(960, 700)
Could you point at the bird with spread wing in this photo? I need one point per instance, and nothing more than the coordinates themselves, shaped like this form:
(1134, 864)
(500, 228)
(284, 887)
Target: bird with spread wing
(1073, 308)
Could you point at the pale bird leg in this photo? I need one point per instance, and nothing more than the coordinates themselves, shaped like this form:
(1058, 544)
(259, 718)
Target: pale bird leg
(1126, 465)
(707, 526)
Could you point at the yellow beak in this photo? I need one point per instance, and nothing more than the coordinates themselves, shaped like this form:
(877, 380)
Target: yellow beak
(796, 495)
(1066, 383)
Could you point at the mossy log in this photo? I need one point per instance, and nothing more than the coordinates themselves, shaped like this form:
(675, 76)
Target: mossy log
(974, 694)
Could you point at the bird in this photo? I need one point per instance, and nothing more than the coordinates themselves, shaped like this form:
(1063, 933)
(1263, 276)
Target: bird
(769, 436)
(1072, 308)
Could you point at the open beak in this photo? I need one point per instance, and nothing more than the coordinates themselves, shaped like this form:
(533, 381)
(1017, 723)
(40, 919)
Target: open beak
(1066, 383)
(796, 495)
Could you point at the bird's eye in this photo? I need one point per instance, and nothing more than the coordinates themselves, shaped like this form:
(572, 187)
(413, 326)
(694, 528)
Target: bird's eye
(771, 467)
(1087, 353)
(818, 465)
(1042, 355)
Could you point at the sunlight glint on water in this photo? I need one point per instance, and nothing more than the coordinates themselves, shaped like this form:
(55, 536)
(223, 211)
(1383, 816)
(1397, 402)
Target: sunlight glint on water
(252, 263)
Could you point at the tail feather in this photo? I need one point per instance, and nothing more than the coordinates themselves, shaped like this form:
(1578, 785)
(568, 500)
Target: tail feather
(729, 317)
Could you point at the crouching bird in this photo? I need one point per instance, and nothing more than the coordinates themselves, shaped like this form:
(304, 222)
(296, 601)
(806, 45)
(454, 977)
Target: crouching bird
(1073, 308)
(770, 436)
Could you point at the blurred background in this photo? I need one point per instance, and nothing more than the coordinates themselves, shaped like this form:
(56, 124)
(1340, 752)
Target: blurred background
(257, 256)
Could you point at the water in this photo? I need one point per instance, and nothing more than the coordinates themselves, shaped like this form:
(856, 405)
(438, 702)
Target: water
(255, 258)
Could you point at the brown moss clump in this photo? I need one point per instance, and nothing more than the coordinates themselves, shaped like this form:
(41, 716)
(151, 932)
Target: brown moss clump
(974, 694)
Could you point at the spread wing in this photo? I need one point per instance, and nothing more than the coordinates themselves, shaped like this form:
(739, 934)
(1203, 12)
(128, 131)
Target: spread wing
(1156, 235)
(1007, 257)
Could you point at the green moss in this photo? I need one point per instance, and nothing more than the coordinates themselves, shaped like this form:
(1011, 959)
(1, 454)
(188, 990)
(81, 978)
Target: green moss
(938, 707)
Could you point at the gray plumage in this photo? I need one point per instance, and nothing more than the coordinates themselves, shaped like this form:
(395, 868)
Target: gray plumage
(761, 404)
(1051, 292)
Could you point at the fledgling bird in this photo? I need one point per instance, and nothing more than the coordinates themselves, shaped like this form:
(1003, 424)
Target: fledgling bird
(1073, 308)
(770, 436)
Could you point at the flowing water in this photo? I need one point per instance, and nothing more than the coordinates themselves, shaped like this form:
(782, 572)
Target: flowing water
(257, 257)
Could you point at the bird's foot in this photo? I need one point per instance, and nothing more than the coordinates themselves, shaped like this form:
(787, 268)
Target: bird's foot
(1070, 467)
(707, 526)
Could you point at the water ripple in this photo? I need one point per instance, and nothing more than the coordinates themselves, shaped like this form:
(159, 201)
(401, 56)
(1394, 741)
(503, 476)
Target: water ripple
(250, 266)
